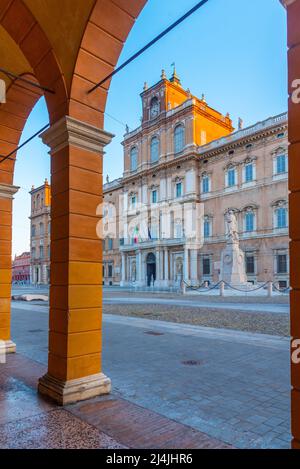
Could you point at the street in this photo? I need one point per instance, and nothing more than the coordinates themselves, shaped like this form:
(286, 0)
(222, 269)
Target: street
(231, 385)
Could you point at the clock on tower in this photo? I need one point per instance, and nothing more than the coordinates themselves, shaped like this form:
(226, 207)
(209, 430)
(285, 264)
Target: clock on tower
(154, 107)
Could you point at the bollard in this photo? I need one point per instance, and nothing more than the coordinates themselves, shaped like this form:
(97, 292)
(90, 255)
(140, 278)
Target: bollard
(183, 288)
(222, 288)
(206, 284)
(270, 289)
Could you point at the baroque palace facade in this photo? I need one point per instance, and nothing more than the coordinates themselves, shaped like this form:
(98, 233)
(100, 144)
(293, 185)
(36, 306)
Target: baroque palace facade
(185, 152)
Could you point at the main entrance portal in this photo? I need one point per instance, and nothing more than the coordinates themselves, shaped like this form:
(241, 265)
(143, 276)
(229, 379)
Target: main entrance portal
(151, 269)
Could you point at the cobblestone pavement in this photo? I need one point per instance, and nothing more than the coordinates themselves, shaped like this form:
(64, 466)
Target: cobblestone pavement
(231, 385)
(267, 323)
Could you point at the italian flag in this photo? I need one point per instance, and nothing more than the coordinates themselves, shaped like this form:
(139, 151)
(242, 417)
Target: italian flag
(136, 235)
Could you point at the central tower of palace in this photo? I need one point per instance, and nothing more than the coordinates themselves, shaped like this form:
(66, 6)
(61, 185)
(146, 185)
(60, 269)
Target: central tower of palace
(169, 95)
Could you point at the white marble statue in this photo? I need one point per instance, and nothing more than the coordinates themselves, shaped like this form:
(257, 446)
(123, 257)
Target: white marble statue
(232, 228)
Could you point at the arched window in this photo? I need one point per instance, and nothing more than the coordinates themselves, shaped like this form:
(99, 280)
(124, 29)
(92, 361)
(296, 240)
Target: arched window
(133, 158)
(179, 137)
(154, 150)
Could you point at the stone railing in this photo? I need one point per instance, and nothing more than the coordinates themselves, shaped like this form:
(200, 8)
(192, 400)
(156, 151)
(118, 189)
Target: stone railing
(259, 126)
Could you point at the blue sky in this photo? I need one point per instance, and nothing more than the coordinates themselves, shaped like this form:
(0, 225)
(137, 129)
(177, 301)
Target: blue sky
(234, 51)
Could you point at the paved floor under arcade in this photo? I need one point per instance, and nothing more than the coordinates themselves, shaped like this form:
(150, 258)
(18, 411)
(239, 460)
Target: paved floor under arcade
(226, 385)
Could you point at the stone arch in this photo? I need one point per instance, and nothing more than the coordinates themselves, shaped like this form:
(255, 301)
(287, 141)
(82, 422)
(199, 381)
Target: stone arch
(106, 31)
(20, 100)
(24, 29)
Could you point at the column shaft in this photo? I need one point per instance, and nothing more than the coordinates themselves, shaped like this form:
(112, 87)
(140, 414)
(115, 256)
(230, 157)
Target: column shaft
(186, 270)
(74, 363)
(166, 264)
(293, 8)
(6, 201)
(194, 266)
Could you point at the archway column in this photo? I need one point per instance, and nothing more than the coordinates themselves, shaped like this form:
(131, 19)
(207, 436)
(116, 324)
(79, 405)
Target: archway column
(75, 346)
(7, 191)
(293, 14)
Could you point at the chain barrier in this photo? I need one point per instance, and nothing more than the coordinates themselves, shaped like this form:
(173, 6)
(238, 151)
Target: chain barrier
(281, 290)
(249, 290)
(244, 290)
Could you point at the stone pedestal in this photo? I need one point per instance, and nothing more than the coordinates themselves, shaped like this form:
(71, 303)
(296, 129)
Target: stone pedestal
(233, 264)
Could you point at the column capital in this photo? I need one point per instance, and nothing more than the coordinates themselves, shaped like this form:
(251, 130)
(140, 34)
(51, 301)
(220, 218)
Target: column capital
(70, 131)
(7, 191)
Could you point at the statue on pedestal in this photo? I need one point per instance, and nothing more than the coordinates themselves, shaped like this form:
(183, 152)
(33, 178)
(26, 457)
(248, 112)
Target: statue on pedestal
(232, 258)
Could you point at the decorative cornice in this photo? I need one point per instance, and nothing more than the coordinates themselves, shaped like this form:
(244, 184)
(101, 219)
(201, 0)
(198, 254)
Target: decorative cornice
(7, 191)
(70, 131)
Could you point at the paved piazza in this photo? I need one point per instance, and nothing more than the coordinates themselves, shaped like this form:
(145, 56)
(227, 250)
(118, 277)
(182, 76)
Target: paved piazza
(231, 385)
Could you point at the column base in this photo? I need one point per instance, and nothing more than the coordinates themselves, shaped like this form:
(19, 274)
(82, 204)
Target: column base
(68, 392)
(7, 346)
(295, 444)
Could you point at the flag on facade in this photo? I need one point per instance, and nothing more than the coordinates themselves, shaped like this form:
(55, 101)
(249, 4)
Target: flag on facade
(149, 233)
(136, 235)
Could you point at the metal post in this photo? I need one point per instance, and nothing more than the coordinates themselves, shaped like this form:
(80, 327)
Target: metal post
(222, 288)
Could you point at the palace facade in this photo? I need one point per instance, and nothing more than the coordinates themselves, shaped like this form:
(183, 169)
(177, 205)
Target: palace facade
(40, 234)
(21, 268)
(186, 153)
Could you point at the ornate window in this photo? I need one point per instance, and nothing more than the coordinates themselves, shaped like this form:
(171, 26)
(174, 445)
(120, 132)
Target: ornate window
(133, 201)
(281, 217)
(154, 196)
(249, 172)
(206, 266)
(249, 221)
(280, 162)
(281, 166)
(154, 230)
(133, 159)
(178, 189)
(231, 176)
(154, 150)
(205, 183)
(178, 228)
(280, 214)
(281, 264)
(179, 138)
(110, 270)
(207, 227)
(250, 263)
